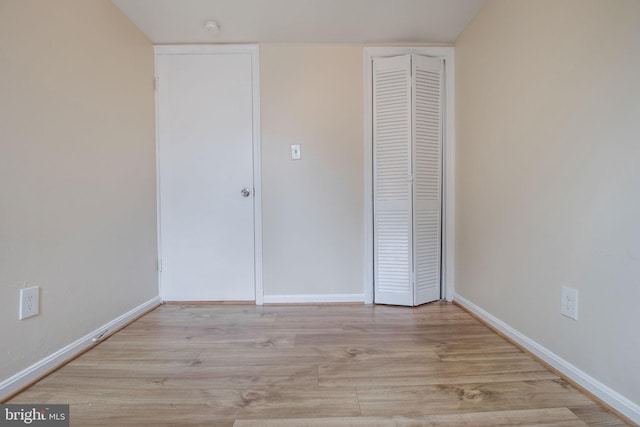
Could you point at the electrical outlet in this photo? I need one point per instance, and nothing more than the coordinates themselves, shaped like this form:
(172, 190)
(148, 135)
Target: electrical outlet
(29, 302)
(569, 304)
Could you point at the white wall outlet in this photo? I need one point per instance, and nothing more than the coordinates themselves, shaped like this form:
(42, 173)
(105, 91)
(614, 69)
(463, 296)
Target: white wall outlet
(29, 302)
(569, 305)
(296, 154)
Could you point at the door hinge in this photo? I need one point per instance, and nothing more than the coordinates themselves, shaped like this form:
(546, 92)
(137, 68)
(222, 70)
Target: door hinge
(156, 83)
(159, 265)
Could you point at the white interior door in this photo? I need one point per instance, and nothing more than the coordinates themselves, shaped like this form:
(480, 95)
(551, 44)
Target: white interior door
(205, 152)
(407, 179)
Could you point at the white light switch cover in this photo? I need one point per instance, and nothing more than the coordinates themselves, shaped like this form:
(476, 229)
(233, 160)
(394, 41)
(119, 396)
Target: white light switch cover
(295, 152)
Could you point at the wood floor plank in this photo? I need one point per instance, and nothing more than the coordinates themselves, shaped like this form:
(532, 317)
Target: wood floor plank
(218, 405)
(489, 355)
(597, 416)
(443, 398)
(385, 373)
(145, 377)
(558, 417)
(355, 365)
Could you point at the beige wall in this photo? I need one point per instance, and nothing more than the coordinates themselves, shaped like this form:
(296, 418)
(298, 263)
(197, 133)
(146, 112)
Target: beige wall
(548, 176)
(77, 172)
(312, 208)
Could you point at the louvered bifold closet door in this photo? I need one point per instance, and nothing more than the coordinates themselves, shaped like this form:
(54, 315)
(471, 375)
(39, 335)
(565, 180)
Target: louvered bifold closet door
(427, 170)
(392, 180)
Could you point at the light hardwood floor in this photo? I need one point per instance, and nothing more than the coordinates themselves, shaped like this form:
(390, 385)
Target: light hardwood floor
(356, 365)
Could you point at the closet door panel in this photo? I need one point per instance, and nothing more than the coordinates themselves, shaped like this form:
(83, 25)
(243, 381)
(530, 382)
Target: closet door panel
(427, 169)
(392, 152)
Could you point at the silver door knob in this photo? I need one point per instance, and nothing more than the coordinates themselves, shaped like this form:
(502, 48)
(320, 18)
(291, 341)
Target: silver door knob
(245, 192)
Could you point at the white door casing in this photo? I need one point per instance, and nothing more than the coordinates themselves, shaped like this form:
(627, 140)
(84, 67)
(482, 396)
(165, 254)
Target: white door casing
(208, 152)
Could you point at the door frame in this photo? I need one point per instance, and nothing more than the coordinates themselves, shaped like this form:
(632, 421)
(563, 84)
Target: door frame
(254, 52)
(447, 287)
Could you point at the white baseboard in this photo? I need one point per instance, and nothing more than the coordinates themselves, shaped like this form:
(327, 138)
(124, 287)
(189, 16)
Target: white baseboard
(40, 368)
(612, 398)
(311, 298)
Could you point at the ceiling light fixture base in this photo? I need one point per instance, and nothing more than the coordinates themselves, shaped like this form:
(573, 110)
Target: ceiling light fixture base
(212, 27)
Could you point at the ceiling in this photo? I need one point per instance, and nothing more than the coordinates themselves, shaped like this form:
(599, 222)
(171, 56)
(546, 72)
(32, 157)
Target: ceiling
(302, 21)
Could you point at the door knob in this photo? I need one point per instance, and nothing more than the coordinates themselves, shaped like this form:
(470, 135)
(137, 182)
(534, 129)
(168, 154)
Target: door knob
(245, 192)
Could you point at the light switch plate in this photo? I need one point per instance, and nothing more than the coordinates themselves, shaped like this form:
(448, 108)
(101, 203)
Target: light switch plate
(295, 152)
